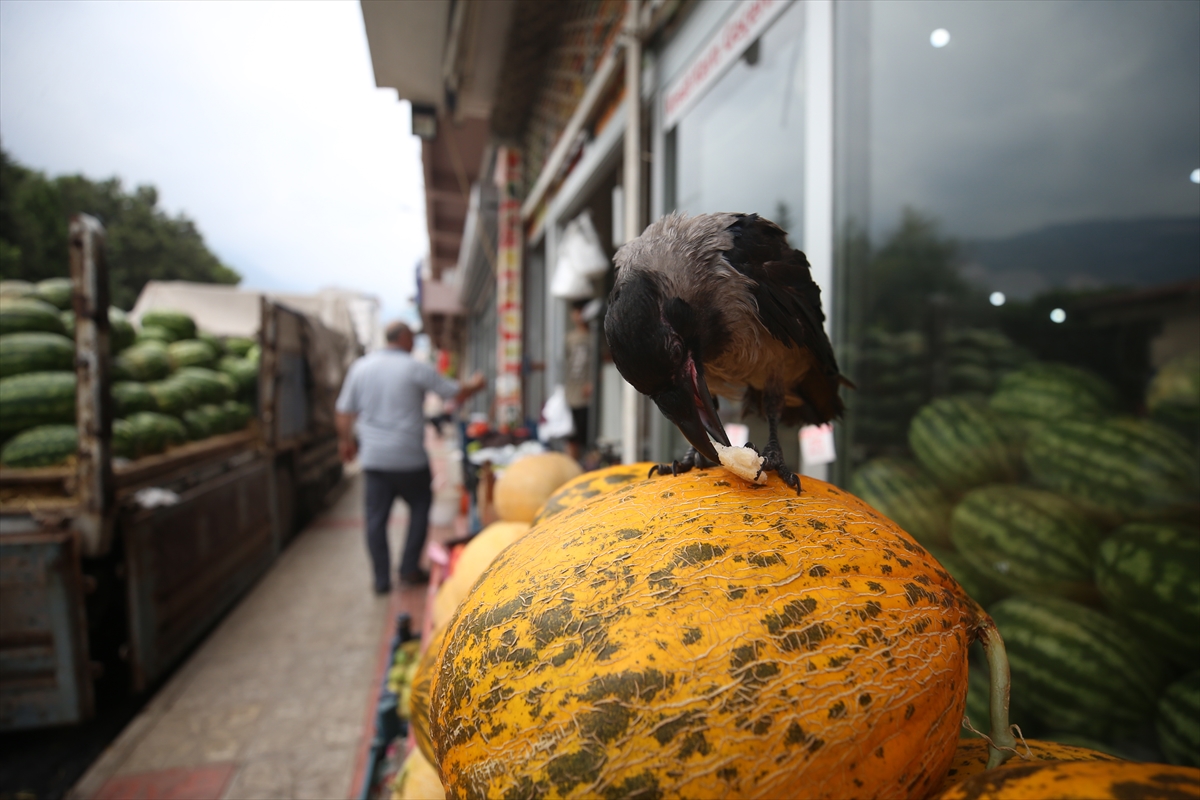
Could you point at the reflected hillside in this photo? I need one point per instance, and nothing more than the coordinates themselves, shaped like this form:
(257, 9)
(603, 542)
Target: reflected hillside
(1087, 255)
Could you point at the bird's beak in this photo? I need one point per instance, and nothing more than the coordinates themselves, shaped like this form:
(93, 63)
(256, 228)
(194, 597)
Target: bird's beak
(689, 405)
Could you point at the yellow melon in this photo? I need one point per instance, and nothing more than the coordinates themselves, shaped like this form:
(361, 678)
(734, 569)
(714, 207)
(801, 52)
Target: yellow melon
(525, 484)
(417, 779)
(699, 636)
(971, 757)
(475, 558)
(590, 484)
(1079, 780)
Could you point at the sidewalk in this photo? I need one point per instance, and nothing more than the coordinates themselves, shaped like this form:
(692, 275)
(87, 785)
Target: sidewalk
(278, 702)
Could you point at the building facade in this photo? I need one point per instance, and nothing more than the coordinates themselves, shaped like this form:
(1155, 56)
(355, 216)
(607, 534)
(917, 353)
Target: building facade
(979, 186)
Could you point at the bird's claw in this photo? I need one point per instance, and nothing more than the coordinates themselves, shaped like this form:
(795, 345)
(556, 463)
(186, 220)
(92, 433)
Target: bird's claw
(675, 467)
(772, 456)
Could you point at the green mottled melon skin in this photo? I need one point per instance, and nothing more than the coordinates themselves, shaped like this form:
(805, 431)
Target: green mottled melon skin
(43, 446)
(174, 396)
(35, 351)
(55, 291)
(1027, 540)
(36, 398)
(1078, 669)
(21, 314)
(1149, 576)
(156, 432)
(903, 492)
(179, 324)
(130, 397)
(238, 346)
(962, 444)
(1044, 392)
(976, 583)
(1118, 469)
(191, 353)
(145, 361)
(1178, 721)
(208, 385)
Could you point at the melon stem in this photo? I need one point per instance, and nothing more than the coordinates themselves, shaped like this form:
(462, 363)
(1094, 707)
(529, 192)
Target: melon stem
(1001, 744)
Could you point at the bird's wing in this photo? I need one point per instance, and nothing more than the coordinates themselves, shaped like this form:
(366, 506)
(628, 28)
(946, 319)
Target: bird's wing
(789, 301)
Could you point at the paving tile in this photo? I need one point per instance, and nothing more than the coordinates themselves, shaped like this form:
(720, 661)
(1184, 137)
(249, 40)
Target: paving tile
(263, 779)
(201, 783)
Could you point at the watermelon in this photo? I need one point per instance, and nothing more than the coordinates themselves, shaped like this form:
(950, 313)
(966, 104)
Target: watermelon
(1117, 469)
(156, 432)
(903, 492)
(205, 421)
(243, 371)
(124, 440)
(1079, 670)
(145, 361)
(68, 323)
(21, 314)
(36, 351)
(238, 346)
(976, 583)
(130, 397)
(238, 415)
(254, 354)
(1042, 392)
(208, 386)
(179, 324)
(213, 342)
(120, 330)
(174, 396)
(1178, 721)
(55, 291)
(1027, 540)
(191, 353)
(1173, 397)
(36, 398)
(153, 333)
(43, 446)
(1149, 576)
(16, 288)
(962, 444)
(1075, 740)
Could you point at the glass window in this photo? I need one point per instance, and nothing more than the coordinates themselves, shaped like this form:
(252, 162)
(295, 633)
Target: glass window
(741, 148)
(1018, 262)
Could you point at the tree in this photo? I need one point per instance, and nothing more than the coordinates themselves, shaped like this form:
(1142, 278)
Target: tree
(144, 242)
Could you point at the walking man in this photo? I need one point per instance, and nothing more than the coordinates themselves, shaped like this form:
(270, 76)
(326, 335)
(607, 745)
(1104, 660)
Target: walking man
(383, 400)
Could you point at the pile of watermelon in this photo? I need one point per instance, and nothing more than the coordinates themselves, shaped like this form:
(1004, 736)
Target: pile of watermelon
(171, 382)
(1077, 525)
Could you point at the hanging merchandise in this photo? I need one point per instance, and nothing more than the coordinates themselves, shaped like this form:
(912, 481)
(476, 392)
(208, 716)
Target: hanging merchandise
(557, 421)
(580, 259)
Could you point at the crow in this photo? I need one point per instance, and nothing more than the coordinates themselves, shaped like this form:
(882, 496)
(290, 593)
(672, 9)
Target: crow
(720, 304)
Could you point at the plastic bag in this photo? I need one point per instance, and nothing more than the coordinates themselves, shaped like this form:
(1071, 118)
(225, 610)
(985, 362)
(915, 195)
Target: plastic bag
(557, 421)
(580, 259)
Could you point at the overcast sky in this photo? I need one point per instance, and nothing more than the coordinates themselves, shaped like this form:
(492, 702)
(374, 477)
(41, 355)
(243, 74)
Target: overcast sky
(259, 120)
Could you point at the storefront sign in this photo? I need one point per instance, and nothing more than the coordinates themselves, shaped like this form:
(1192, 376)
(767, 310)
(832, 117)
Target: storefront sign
(748, 21)
(508, 290)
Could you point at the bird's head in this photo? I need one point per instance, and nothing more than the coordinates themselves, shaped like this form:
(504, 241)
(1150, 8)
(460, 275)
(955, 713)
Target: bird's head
(655, 343)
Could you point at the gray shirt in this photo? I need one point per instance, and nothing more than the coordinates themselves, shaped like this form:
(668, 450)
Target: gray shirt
(386, 389)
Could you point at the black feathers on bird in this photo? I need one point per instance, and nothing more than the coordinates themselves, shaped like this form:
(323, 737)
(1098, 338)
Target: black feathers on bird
(720, 304)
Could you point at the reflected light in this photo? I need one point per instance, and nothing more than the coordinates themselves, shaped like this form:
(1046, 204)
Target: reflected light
(1195, 176)
(1058, 315)
(997, 298)
(940, 37)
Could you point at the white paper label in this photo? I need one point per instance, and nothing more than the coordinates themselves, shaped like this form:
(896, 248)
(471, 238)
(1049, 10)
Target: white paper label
(816, 445)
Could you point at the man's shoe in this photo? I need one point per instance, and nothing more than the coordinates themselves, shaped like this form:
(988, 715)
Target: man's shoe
(418, 578)
(382, 590)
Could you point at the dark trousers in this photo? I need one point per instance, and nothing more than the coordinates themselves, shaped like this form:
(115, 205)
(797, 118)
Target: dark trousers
(383, 487)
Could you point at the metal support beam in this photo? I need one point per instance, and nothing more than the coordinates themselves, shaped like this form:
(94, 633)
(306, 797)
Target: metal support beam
(93, 411)
(630, 399)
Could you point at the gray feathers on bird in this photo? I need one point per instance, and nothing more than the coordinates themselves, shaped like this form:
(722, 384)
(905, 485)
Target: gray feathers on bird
(722, 302)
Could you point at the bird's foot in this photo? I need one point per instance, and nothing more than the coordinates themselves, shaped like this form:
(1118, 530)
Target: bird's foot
(691, 459)
(772, 456)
